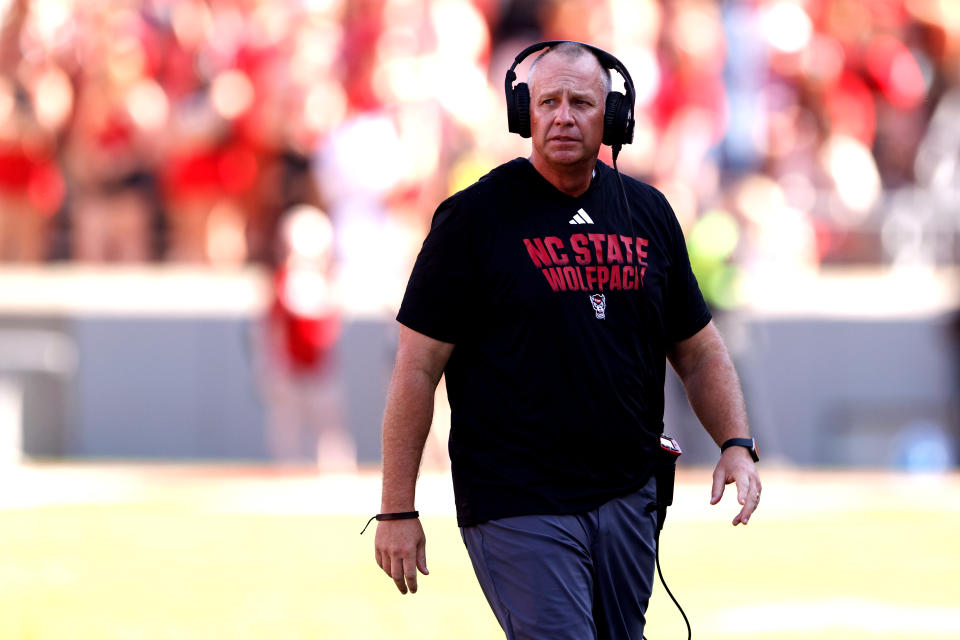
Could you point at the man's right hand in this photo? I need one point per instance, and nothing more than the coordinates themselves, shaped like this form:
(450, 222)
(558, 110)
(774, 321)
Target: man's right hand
(401, 549)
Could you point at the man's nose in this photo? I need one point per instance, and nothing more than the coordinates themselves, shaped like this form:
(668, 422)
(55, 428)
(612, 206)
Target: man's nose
(564, 113)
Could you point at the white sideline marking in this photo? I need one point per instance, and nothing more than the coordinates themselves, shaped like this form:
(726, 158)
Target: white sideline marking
(839, 614)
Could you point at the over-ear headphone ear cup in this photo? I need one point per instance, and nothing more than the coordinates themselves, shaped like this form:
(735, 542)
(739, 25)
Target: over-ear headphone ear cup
(521, 94)
(613, 123)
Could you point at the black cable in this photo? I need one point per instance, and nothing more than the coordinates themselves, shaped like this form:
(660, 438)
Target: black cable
(623, 192)
(627, 212)
(670, 593)
(661, 515)
(665, 468)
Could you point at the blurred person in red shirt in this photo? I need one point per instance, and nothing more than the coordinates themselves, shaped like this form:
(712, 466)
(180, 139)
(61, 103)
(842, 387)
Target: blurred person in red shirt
(206, 180)
(31, 184)
(297, 363)
(224, 132)
(110, 164)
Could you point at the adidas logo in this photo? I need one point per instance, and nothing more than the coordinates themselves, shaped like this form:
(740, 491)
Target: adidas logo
(581, 218)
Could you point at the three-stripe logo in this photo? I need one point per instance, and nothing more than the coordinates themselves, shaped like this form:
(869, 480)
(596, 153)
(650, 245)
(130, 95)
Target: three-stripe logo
(581, 217)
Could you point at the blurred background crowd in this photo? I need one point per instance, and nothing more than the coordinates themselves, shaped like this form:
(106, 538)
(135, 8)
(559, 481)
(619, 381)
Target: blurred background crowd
(308, 142)
(787, 134)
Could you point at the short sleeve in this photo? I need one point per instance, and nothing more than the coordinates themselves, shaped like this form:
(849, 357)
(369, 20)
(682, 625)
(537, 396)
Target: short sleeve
(437, 301)
(686, 312)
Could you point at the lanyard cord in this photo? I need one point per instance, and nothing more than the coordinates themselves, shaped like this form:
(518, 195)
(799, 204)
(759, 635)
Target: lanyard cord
(670, 593)
(665, 469)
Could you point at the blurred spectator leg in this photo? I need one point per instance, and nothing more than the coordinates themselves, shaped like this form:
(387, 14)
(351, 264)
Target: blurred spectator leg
(89, 233)
(6, 214)
(284, 424)
(226, 234)
(335, 445)
(24, 231)
(187, 228)
(130, 226)
(112, 227)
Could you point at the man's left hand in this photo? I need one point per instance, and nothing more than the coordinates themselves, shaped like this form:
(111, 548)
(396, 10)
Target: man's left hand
(735, 465)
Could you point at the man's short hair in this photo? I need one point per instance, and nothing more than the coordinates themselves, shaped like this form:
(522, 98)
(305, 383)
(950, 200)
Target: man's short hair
(572, 51)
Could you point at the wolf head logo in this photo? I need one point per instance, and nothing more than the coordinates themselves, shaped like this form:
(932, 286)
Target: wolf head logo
(599, 303)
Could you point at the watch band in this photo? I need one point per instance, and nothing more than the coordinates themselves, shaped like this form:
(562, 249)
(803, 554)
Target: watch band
(749, 443)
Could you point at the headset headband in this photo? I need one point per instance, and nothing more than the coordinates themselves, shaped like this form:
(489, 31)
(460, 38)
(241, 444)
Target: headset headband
(606, 60)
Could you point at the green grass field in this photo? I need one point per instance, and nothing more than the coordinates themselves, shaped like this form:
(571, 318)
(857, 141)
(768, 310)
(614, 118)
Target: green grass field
(150, 553)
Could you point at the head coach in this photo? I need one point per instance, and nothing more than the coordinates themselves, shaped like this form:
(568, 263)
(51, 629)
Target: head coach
(551, 293)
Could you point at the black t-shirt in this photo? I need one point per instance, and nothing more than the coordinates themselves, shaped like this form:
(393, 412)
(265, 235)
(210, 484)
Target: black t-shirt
(561, 310)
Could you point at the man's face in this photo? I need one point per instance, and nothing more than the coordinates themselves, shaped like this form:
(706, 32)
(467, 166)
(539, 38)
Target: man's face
(566, 109)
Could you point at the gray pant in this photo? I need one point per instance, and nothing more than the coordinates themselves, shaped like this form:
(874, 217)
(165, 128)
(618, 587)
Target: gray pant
(579, 577)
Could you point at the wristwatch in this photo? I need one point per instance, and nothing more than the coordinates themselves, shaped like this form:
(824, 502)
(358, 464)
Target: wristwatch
(749, 443)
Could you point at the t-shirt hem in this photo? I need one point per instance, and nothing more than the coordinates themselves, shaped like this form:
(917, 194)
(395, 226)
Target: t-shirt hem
(551, 509)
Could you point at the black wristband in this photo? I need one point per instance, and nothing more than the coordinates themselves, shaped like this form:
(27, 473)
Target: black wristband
(402, 515)
(750, 444)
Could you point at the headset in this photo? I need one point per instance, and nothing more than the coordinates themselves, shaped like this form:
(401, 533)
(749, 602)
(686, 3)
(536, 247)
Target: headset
(618, 120)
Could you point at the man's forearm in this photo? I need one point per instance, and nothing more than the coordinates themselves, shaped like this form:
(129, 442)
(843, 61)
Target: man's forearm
(713, 389)
(406, 424)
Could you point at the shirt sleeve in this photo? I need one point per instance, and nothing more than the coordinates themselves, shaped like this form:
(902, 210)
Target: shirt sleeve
(686, 312)
(439, 295)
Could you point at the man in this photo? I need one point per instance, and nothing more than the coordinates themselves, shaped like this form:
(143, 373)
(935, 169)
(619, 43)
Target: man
(552, 309)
